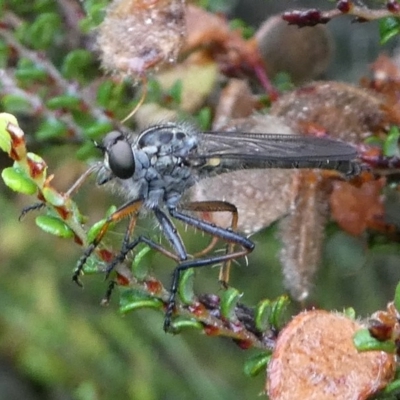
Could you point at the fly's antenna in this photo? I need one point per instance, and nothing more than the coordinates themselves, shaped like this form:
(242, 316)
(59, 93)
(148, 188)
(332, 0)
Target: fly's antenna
(140, 102)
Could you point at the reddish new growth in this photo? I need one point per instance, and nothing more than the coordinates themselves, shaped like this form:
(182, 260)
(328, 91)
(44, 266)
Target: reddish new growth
(344, 6)
(305, 17)
(362, 13)
(385, 325)
(393, 6)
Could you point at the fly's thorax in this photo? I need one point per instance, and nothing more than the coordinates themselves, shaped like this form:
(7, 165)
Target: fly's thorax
(174, 139)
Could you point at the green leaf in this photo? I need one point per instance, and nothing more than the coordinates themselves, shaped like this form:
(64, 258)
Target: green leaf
(17, 180)
(93, 265)
(175, 91)
(94, 231)
(16, 104)
(186, 287)
(278, 309)
(229, 300)
(350, 313)
(97, 130)
(204, 118)
(86, 151)
(4, 54)
(391, 144)
(392, 389)
(256, 364)
(53, 197)
(31, 73)
(363, 341)
(54, 226)
(76, 64)
(180, 324)
(388, 28)
(42, 32)
(140, 268)
(50, 129)
(397, 297)
(154, 91)
(262, 316)
(5, 138)
(68, 102)
(104, 93)
(95, 11)
(133, 299)
(247, 31)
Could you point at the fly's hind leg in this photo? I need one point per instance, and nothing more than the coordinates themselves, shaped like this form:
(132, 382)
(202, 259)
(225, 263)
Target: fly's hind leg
(230, 237)
(211, 207)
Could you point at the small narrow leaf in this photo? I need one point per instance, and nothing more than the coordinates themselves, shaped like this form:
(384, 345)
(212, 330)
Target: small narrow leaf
(93, 265)
(97, 130)
(53, 197)
(262, 316)
(17, 180)
(54, 226)
(5, 138)
(350, 313)
(104, 93)
(50, 129)
(229, 300)
(392, 389)
(278, 310)
(68, 102)
(135, 299)
(181, 324)
(256, 364)
(43, 30)
(397, 297)
(391, 144)
(76, 63)
(16, 104)
(94, 231)
(365, 342)
(388, 28)
(31, 74)
(140, 268)
(186, 287)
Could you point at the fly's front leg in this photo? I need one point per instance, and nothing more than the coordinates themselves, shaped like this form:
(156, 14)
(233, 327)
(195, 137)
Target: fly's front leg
(179, 255)
(217, 206)
(129, 208)
(126, 248)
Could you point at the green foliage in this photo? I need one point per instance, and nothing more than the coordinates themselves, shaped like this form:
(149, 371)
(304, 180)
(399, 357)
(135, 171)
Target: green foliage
(76, 65)
(246, 30)
(391, 144)
(257, 364)
(54, 226)
(17, 180)
(365, 342)
(43, 32)
(51, 128)
(388, 28)
(186, 292)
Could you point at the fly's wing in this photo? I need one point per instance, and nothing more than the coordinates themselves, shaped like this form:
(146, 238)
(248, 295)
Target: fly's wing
(221, 152)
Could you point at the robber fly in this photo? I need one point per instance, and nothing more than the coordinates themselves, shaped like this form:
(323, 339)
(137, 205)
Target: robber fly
(154, 169)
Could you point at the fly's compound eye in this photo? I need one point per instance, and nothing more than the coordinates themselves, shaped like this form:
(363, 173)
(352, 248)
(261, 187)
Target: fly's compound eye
(120, 156)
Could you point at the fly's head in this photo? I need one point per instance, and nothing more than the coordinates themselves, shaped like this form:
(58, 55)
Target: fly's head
(119, 161)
